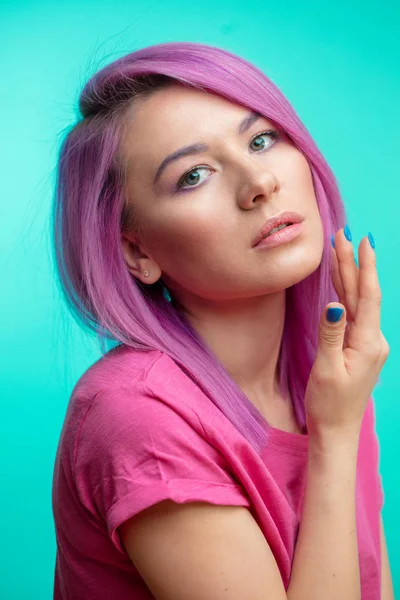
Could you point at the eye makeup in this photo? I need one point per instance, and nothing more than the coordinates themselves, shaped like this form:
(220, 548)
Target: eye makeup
(273, 134)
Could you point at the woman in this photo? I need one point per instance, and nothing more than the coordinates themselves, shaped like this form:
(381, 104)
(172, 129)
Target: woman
(225, 447)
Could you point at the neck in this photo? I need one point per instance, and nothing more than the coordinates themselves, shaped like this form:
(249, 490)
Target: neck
(246, 336)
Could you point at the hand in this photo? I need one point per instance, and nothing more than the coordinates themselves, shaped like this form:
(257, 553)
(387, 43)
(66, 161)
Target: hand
(350, 355)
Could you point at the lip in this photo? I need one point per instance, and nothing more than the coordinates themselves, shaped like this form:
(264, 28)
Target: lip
(285, 217)
(281, 237)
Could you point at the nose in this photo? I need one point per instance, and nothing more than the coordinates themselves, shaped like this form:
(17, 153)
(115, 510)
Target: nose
(258, 185)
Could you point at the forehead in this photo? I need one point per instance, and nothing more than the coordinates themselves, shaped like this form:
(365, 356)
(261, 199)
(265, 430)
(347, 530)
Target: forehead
(177, 102)
(179, 115)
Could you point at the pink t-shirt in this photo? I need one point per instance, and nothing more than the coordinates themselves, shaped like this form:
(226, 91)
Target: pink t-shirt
(138, 431)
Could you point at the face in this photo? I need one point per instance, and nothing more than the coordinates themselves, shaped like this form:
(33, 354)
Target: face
(200, 214)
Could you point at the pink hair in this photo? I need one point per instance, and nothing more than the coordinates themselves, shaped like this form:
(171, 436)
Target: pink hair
(90, 209)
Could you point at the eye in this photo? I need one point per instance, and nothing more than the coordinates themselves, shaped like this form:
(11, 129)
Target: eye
(192, 176)
(271, 133)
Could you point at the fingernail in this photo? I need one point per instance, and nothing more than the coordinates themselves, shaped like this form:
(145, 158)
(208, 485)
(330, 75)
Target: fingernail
(347, 233)
(334, 314)
(371, 240)
(333, 240)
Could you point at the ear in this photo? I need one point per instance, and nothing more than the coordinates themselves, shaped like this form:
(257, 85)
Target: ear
(138, 261)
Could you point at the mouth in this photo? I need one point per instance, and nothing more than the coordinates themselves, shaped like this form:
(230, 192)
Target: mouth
(279, 228)
(277, 223)
(282, 236)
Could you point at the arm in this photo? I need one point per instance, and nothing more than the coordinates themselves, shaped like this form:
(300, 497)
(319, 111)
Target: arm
(203, 551)
(387, 587)
(325, 564)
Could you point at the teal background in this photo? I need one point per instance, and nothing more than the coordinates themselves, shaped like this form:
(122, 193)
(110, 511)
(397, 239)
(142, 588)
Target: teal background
(338, 63)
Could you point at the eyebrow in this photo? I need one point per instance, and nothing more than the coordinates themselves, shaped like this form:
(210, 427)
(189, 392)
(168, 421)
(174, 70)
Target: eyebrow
(198, 148)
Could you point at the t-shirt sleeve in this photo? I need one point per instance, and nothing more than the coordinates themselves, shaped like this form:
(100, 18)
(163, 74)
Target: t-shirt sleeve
(134, 450)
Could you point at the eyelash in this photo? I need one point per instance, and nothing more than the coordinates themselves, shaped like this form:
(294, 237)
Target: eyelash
(274, 135)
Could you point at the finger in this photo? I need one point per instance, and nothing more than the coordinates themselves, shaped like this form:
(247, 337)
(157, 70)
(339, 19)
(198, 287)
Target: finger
(337, 282)
(367, 330)
(349, 273)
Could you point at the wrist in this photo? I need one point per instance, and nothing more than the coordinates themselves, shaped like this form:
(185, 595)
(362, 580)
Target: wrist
(333, 440)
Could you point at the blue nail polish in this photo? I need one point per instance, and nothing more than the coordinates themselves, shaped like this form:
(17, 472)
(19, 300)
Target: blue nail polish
(347, 233)
(334, 314)
(371, 239)
(333, 241)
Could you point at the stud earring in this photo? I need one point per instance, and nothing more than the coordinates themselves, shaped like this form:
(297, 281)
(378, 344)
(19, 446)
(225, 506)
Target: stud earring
(146, 273)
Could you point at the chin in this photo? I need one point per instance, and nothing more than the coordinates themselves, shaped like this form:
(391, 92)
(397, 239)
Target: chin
(296, 273)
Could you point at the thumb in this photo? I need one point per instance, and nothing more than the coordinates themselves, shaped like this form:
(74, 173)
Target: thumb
(332, 328)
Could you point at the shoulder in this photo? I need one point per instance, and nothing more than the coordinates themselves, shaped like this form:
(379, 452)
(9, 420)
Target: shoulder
(142, 408)
(126, 379)
(128, 369)
(142, 433)
(128, 393)
(104, 399)
(120, 367)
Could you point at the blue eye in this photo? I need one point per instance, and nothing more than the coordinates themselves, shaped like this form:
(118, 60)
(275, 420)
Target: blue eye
(273, 134)
(192, 177)
(189, 175)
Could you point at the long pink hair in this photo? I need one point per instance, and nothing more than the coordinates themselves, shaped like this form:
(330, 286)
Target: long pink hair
(90, 208)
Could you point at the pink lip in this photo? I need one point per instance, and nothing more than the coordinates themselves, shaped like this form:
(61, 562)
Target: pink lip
(281, 237)
(285, 217)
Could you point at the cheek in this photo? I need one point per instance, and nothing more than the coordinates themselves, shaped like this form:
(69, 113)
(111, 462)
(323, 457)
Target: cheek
(299, 173)
(183, 235)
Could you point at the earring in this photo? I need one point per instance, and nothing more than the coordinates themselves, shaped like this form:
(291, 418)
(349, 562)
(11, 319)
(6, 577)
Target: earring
(146, 273)
(166, 294)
